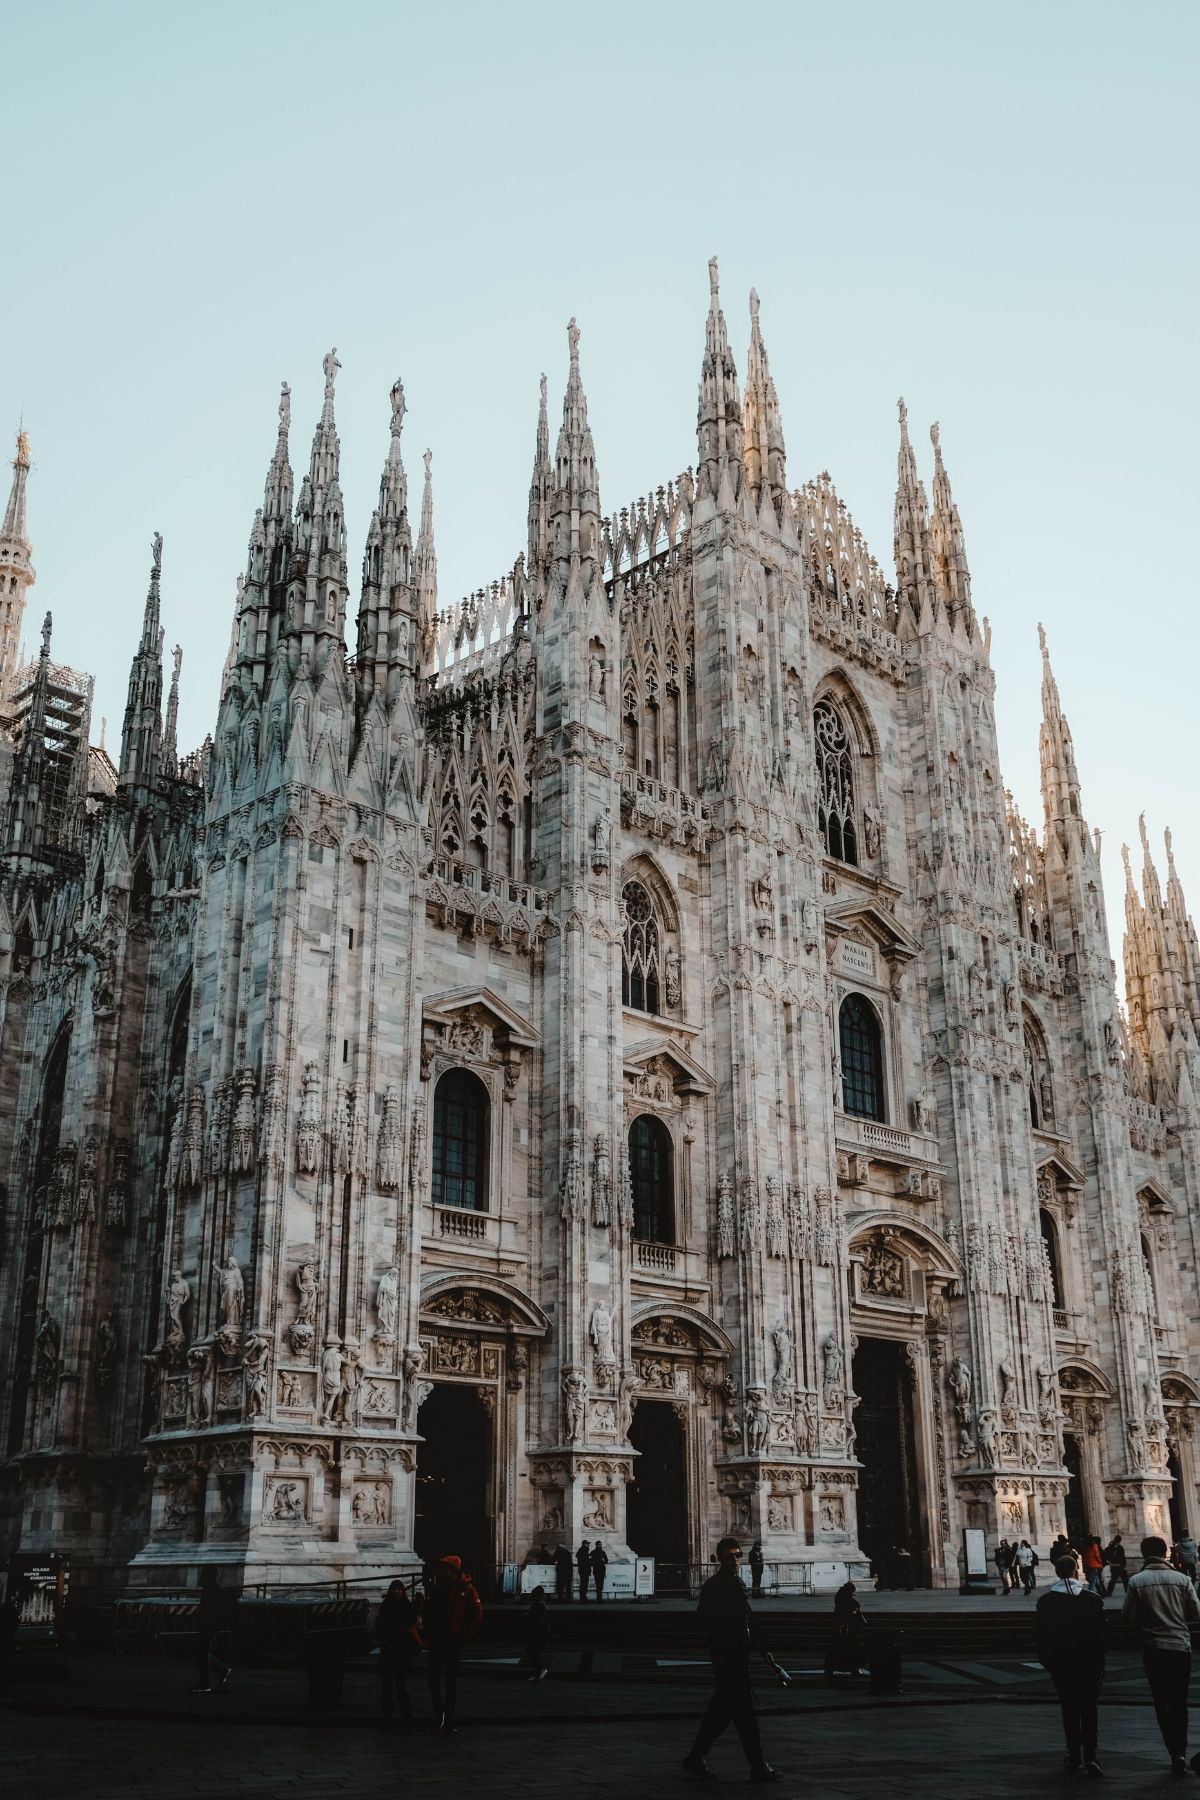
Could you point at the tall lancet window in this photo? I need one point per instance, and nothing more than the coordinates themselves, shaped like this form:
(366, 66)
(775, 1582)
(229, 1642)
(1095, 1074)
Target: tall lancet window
(835, 783)
(643, 950)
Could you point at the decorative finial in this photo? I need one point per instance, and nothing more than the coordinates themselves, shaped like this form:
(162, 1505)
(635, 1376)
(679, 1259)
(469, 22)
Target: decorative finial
(285, 409)
(23, 458)
(903, 413)
(1142, 833)
(1125, 860)
(573, 339)
(712, 276)
(1042, 642)
(103, 730)
(156, 549)
(399, 407)
(427, 459)
(754, 305)
(177, 660)
(1167, 840)
(935, 437)
(331, 365)
(542, 390)
(47, 625)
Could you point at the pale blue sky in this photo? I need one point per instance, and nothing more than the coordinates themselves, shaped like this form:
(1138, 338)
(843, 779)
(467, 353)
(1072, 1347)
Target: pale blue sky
(991, 211)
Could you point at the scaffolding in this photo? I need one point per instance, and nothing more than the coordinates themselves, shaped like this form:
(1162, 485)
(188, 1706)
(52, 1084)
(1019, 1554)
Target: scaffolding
(67, 722)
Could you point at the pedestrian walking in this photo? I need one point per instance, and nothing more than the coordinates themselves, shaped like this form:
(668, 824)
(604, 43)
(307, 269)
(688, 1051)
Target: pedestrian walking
(1186, 1546)
(583, 1562)
(1069, 1623)
(1058, 1548)
(211, 1669)
(727, 1622)
(599, 1562)
(756, 1566)
(453, 1614)
(1093, 1565)
(1004, 1565)
(397, 1632)
(562, 1573)
(537, 1636)
(1114, 1557)
(1162, 1603)
(847, 1650)
(1027, 1562)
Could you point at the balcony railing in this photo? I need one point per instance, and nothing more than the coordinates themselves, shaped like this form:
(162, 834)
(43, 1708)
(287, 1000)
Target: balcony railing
(660, 1257)
(455, 1223)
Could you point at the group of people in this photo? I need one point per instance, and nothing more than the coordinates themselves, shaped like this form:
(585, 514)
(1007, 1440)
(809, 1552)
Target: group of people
(1160, 1601)
(591, 1564)
(441, 1622)
(1016, 1565)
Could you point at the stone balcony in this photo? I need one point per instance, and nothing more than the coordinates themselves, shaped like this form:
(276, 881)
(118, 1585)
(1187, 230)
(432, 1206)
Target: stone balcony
(890, 1146)
(663, 812)
(1042, 970)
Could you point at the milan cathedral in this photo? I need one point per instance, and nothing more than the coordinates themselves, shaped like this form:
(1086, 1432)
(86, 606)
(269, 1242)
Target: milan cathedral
(606, 1059)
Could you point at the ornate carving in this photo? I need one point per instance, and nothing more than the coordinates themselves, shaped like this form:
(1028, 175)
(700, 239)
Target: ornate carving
(308, 1127)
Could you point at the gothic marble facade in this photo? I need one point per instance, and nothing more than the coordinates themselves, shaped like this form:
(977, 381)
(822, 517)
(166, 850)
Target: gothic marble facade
(628, 997)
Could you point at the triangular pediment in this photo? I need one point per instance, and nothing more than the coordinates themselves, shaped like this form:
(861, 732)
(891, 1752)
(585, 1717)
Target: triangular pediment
(685, 1073)
(876, 924)
(506, 1021)
(1063, 1172)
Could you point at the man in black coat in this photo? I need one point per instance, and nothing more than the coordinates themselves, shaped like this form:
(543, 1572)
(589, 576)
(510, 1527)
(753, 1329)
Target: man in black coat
(726, 1620)
(562, 1573)
(1070, 1646)
(583, 1562)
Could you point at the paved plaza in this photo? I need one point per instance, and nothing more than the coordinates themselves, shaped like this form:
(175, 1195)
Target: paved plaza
(974, 1725)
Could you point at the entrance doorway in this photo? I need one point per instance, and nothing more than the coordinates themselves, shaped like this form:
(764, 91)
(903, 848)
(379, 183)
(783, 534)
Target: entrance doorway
(656, 1499)
(1074, 1506)
(454, 1489)
(889, 1520)
(1179, 1521)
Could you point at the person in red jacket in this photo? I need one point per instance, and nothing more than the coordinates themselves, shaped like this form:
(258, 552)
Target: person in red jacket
(453, 1614)
(1093, 1564)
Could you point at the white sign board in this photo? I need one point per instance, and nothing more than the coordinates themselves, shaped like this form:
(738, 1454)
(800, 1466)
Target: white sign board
(643, 1578)
(539, 1575)
(975, 1552)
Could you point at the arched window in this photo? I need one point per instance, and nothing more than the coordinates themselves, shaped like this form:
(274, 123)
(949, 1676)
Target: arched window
(862, 1059)
(641, 957)
(835, 784)
(1050, 1240)
(460, 1147)
(652, 1177)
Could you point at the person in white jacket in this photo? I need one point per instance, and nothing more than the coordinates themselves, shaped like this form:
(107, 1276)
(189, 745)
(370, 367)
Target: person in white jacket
(1162, 1603)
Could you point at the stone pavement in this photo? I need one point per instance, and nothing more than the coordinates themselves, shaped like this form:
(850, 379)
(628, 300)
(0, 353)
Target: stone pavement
(981, 1750)
(114, 1725)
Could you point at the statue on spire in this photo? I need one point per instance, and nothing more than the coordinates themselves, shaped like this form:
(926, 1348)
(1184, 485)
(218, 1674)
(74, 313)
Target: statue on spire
(46, 628)
(573, 338)
(331, 365)
(903, 411)
(754, 305)
(712, 276)
(285, 409)
(427, 459)
(156, 550)
(399, 407)
(935, 437)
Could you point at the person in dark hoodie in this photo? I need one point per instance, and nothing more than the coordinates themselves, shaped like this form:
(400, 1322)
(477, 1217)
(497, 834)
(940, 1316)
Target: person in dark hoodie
(1070, 1644)
(583, 1562)
(726, 1621)
(537, 1636)
(397, 1625)
(453, 1614)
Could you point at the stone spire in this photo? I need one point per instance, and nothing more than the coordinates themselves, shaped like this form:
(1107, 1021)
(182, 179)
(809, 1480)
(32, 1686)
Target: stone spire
(1182, 933)
(141, 734)
(25, 824)
(16, 562)
(260, 590)
(576, 504)
(719, 413)
(170, 748)
(541, 487)
(761, 422)
(318, 575)
(425, 571)
(1060, 778)
(946, 540)
(911, 528)
(384, 615)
